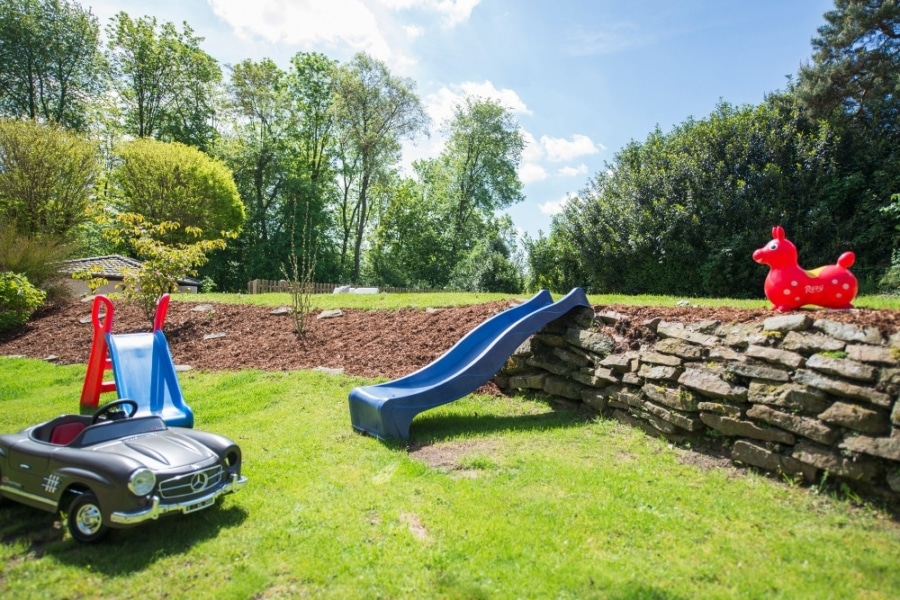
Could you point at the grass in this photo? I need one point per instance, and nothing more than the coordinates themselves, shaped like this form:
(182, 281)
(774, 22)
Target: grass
(438, 300)
(357, 301)
(507, 498)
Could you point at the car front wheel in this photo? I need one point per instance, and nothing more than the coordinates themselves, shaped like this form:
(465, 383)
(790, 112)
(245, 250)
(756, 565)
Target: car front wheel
(85, 519)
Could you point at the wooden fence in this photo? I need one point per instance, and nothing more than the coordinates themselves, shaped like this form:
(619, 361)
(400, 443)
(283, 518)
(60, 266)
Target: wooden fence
(267, 286)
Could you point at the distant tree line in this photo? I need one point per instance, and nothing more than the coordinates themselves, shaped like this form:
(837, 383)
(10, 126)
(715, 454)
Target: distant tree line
(295, 166)
(682, 211)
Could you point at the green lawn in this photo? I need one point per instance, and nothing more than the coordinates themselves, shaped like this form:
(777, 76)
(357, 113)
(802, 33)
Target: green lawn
(508, 498)
(425, 300)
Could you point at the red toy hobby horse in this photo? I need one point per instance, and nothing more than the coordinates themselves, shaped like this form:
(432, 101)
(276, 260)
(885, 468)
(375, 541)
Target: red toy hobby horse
(789, 287)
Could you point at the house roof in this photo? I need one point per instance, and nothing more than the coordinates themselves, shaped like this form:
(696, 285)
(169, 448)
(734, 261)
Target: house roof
(112, 266)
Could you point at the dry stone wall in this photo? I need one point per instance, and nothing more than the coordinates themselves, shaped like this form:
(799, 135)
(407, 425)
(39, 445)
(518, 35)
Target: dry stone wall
(791, 395)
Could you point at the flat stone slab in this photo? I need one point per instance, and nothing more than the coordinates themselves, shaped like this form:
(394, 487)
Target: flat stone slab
(710, 384)
(888, 448)
(346, 289)
(787, 323)
(849, 332)
(329, 370)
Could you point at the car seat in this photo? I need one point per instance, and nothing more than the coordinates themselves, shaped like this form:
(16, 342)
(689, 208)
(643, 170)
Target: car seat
(64, 433)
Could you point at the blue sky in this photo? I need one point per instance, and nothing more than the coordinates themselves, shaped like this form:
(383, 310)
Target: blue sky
(583, 77)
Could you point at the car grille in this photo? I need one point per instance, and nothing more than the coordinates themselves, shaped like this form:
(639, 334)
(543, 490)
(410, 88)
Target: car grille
(191, 483)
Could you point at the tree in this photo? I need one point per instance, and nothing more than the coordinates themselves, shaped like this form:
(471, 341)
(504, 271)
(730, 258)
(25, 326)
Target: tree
(50, 62)
(170, 182)
(192, 115)
(492, 265)
(682, 212)
(481, 157)
(255, 148)
(47, 177)
(445, 232)
(856, 62)
(310, 87)
(373, 111)
(280, 146)
(552, 263)
(312, 187)
(853, 85)
(165, 82)
(411, 245)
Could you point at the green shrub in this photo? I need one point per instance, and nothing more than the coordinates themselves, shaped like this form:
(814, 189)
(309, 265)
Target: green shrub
(162, 264)
(18, 300)
(207, 285)
(890, 282)
(172, 182)
(47, 177)
(36, 257)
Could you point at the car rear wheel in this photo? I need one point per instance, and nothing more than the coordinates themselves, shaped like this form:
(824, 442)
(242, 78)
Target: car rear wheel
(85, 519)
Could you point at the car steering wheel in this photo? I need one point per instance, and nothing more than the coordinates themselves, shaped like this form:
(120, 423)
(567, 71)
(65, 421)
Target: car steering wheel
(107, 411)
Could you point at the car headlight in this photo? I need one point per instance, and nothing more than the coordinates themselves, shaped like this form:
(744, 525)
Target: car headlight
(142, 482)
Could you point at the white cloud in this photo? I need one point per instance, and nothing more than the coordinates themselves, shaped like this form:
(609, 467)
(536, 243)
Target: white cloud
(306, 22)
(371, 26)
(554, 207)
(573, 171)
(402, 4)
(559, 149)
(440, 104)
(505, 96)
(456, 11)
(530, 172)
(532, 152)
(453, 11)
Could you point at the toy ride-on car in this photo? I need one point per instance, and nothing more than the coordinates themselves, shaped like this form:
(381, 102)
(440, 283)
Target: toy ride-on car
(114, 470)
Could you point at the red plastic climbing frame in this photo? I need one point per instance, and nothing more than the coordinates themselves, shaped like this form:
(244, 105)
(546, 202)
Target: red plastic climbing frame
(99, 361)
(162, 307)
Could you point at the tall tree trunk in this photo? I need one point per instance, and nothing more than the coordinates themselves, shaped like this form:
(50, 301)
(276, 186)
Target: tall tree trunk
(360, 225)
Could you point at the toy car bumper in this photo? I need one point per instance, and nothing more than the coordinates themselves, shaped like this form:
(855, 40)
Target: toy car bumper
(156, 509)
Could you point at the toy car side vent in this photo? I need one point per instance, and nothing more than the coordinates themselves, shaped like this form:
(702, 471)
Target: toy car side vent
(66, 432)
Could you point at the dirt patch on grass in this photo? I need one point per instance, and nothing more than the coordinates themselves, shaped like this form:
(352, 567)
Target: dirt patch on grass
(451, 456)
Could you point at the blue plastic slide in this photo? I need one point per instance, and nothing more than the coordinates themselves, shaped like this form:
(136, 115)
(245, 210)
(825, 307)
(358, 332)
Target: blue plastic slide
(144, 372)
(385, 410)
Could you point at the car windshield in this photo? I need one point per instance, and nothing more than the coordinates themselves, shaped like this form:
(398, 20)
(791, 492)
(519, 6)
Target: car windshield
(113, 430)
